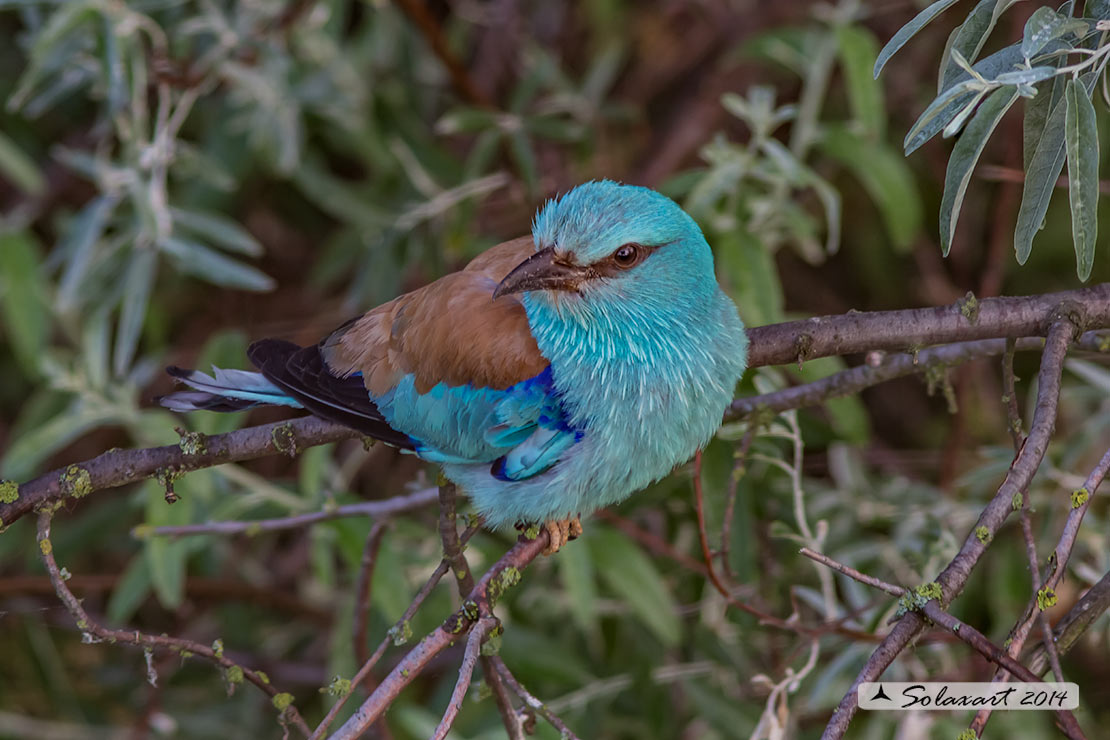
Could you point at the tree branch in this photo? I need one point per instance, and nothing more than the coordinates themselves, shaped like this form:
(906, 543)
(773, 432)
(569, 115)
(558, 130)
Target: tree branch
(387, 507)
(532, 702)
(120, 467)
(853, 380)
(907, 330)
(775, 344)
(466, 671)
(453, 554)
(955, 575)
(977, 640)
(973, 637)
(363, 590)
(480, 601)
(398, 635)
(94, 631)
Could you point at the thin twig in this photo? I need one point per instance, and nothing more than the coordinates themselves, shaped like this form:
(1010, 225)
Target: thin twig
(120, 467)
(936, 613)
(449, 536)
(397, 635)
(422, 18)
(1092, 605)
(504, 573)
(853, 380)
(1079, 502)
(363, 589)
(387, 507)
(532, 702)
(453, 554)
(1017, 435)
(466, 672)
(728, 590)
(1009, 396)
(707, 557)
(98, 633)
(774, 344)
(851, 572)
(977, 640)
(653, 542)
(855, 333)
(954, 576)
(739, 467)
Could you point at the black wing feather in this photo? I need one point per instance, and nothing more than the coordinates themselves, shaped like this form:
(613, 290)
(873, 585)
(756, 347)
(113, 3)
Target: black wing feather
(302, 373)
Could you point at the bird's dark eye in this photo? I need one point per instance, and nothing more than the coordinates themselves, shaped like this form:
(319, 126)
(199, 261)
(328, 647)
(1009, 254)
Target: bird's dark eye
(627, 255)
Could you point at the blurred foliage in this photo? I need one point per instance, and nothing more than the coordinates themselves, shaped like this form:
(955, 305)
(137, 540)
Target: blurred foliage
(178, 176)
(1059, 119)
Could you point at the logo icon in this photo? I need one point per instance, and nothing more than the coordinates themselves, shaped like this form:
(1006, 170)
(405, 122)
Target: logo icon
(880, 694)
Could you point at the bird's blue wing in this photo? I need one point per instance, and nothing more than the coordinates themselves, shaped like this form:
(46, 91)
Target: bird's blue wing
(520, 431)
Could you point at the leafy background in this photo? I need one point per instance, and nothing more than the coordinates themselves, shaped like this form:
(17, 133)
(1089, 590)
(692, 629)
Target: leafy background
(178, 177)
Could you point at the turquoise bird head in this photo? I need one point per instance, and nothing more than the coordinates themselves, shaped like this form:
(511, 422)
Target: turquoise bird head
(604, 242)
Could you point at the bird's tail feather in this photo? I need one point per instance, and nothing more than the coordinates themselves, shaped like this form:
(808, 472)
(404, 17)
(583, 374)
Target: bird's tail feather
(290, 375)
(224, 390)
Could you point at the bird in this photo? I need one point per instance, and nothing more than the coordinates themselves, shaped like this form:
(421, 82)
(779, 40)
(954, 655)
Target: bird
(554, 375)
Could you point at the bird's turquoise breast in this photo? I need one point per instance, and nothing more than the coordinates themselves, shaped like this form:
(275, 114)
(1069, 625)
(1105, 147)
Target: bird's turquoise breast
(647, 391)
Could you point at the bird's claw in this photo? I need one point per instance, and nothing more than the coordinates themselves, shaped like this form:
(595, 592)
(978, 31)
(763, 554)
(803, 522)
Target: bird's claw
(560, 532)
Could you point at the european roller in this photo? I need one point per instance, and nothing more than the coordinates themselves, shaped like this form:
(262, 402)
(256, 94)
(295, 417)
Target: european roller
(554, 375)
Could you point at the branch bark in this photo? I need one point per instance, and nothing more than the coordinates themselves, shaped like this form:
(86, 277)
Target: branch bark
(480, 601)
(955, 575)
(784, 343)
(95, 632)
(907, 330)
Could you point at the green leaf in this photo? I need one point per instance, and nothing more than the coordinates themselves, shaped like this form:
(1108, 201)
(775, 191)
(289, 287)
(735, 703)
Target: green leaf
(858, 49)
(214, 267)
(28, 450)
(885, 176)
(1025, 76)
(747, 270)
(23, 298)
(1099, 9)
(1046, 25)
(1041, 175)
(49, 44)
(525, 159)
(939, 114)
(138, 283)
(96, 345)
(964, 157)
(466, 121)
(847, 414)
(1096, 375)
(79, 244)
(953, 127)
(969, 37)
(130, 592)
(948, 104)
(165, 556)
(217, 230)
(633, 576)
(580, 581)
(1037, 111)
(799, 175)
(1081, 136)
(906, 32)
(18, 167)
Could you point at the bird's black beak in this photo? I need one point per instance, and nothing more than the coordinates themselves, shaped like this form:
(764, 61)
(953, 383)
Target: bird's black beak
(542, 271)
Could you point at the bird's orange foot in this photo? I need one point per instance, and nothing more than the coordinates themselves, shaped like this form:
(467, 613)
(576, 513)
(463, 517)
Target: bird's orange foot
(560, 532)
